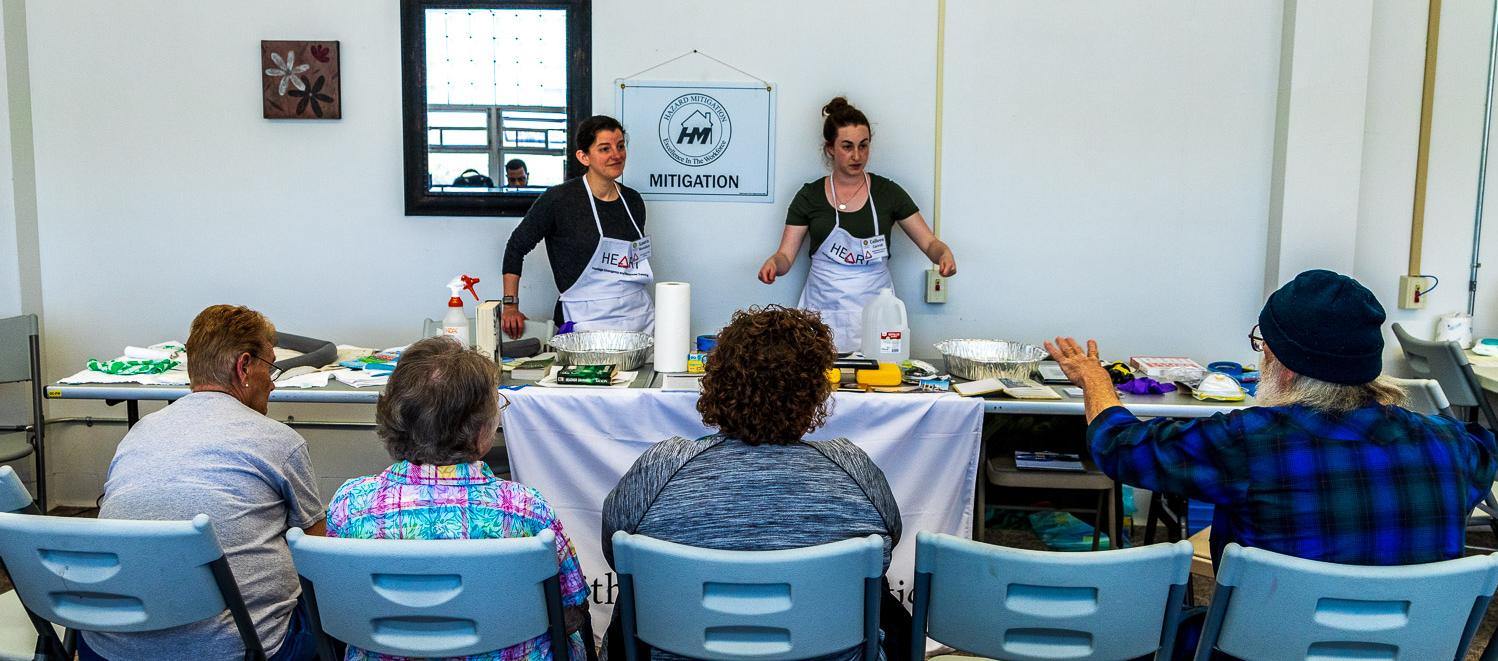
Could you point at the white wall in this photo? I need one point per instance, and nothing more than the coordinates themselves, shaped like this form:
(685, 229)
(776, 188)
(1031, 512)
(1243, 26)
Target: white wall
(883, 61)
(1396, 74)
(1108, 172)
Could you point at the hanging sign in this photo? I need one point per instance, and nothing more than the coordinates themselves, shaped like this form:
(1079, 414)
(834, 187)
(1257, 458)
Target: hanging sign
(699, 141)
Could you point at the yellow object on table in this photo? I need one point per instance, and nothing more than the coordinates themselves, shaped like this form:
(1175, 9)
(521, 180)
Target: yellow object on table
(888, 374)
(835, 375)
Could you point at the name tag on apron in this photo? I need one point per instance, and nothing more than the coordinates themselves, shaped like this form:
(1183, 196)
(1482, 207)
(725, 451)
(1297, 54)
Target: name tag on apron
(875, 249)
(639, 251)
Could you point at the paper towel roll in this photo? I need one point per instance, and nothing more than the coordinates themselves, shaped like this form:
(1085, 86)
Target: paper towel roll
(673, 325)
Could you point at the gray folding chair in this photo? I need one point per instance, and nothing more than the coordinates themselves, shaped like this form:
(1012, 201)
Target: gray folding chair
(20, 360)
(1447, 364)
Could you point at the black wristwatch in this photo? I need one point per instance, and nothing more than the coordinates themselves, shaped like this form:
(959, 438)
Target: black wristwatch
(510, 300)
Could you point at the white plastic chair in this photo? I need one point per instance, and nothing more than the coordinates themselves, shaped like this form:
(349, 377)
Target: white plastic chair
(737, 605)
(17, 629)
(1274, 606)
(431, 598)
(1026, 605)
(120, 576)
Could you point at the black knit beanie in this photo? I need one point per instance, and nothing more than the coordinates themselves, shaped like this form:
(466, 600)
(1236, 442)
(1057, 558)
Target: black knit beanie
(1326, 326)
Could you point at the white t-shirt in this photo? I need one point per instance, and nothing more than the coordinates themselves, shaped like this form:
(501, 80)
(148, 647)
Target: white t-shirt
(208, 453)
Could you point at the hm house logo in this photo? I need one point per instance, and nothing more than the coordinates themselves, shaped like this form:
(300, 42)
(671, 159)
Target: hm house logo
(695, 129)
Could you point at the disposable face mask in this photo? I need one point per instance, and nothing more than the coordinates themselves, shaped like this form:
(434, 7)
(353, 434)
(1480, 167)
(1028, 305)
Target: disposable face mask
(1220, 387)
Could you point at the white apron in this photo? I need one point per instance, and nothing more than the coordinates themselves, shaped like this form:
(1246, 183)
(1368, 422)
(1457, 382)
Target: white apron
(846, 273)
(611, 292)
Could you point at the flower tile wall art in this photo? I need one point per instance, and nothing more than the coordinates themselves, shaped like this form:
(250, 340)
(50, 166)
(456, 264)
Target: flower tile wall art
(300, 80)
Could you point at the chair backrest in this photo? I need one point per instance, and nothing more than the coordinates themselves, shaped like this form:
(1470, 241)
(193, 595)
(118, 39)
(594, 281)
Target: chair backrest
(1273, 606)
(768, 605)
(1425, 396)
(122, 576)
(433, 598)
(1018, 604)
(15, 347)
(13, 494)
(1447, 364)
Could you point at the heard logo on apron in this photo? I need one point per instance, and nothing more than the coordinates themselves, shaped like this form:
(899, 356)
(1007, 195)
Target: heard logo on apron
(695, 129)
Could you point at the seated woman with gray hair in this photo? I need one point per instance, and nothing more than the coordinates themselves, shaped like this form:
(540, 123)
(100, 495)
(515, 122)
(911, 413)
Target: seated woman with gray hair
(758, 484)
(438, 416)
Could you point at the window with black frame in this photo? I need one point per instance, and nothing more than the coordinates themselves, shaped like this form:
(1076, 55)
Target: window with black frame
(491, 93)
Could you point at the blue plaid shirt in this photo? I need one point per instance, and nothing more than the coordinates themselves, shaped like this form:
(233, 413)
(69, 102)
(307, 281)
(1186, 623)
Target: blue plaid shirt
(1379, 485)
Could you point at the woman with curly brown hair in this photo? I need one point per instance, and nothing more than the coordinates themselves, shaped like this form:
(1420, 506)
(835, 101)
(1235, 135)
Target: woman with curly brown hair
(757, 485)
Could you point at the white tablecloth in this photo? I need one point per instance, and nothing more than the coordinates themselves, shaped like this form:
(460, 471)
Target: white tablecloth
(574, 445)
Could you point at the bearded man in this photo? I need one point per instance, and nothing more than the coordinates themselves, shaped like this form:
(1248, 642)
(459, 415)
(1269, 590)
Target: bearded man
(1327, 466)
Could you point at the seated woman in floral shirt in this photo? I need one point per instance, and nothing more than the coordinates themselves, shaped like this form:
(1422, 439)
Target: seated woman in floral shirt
(437, 417)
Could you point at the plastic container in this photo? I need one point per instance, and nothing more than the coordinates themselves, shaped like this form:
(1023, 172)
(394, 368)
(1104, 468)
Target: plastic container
(456, 324)
(886, 330)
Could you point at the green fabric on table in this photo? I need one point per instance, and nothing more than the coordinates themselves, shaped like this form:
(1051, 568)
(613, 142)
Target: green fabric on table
(131, 366)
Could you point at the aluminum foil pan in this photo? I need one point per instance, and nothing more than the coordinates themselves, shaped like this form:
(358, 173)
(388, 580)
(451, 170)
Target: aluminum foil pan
(989, 359)
(627, 349)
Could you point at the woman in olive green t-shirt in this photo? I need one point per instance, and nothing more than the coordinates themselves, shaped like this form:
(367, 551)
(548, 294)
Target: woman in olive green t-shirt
(849, 215)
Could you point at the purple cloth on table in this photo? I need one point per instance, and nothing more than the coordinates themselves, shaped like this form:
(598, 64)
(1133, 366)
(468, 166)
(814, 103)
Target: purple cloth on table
(1143, 385)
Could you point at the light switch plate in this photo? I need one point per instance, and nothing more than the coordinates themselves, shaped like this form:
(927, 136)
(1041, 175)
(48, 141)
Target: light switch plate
(936, 286)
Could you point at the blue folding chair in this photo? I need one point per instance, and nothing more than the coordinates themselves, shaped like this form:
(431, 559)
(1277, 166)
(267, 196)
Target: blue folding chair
(430, 598)
(13, 494)
(1016, 604)
(1273, 606)
(17, 629)
(119, 576)
(736, 605)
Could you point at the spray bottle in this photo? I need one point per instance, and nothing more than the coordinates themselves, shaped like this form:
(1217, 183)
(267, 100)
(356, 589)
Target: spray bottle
(455, 324)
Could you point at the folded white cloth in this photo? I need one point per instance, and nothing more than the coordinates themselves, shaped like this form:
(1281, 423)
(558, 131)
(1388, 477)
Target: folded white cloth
(147, 353)
(360, 378)
(311, 380)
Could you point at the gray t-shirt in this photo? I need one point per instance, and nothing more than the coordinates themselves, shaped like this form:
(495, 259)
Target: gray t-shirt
(208, 453)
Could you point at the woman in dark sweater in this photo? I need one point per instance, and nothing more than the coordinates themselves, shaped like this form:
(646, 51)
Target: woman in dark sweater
(757, 485)
(594, 228)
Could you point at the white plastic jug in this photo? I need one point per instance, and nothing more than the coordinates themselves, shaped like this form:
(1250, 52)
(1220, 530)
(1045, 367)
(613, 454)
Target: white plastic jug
(886, 330)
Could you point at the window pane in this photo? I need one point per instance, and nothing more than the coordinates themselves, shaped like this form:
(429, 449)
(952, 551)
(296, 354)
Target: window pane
(457, 119)
(545, 170)
(447, 167)
(527, 139)
(497, 57)
(434, 137)
(465, 137)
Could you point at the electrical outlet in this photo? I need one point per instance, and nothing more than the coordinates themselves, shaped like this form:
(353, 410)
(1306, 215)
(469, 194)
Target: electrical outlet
(936, 286)
(1410, 297)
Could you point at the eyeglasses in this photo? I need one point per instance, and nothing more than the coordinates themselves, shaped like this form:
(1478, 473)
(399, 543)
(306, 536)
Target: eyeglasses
(1255, 340)
(274, 371)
